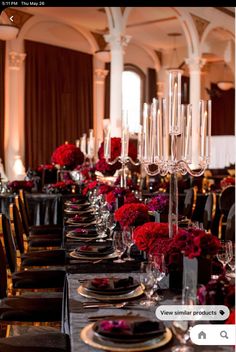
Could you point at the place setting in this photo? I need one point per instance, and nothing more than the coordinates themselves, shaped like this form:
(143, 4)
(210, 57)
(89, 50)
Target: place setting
(78, 220)
(126, 334)
(94, 252)
(81, 234)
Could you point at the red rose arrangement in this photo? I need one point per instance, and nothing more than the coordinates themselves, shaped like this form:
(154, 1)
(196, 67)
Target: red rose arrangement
(227, 181)
(68, 155)
(132, 214)
(16, 185)
(90, 185)
(158, 203)
(103, 166)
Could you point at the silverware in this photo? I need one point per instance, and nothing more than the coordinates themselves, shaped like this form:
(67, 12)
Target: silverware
(105, 305)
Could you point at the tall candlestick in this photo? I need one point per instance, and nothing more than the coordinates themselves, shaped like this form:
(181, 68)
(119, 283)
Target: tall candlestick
(140, 142)
(146, 130)
(203, 133)
(174, 109)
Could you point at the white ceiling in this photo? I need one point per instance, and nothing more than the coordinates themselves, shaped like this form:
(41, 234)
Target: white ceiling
(149, 26)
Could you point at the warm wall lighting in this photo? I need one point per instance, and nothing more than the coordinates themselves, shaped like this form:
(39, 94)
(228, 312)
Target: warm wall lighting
(103, 55)
(225, 84)
(18, 168)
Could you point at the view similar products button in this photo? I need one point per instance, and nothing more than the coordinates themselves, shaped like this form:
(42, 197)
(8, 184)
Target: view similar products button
(192, 312)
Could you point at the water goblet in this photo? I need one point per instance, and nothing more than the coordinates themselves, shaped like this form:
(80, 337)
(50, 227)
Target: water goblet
(225, 253)
(101, 230)
(157, 262)
(119, 246)
(182, 332)
(128, 240)
(147, 281)
(111, 224)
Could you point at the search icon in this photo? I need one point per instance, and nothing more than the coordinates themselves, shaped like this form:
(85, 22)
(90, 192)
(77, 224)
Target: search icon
(223, 334)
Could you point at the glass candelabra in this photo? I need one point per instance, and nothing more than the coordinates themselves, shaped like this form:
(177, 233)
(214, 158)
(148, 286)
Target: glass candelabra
(171, 140)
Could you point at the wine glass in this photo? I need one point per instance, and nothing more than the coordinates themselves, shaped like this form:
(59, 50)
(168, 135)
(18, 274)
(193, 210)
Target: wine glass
(182, 332)
(101, 230)
(147, 281)
(119, 246)
(157, 262)
(128, 240)
(225, 253)
(111, 224)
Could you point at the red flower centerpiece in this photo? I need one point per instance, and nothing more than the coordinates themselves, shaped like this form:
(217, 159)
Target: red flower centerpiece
(16, 185)
(227, 181)
(103, 166)
(132, 214)
(67, 155)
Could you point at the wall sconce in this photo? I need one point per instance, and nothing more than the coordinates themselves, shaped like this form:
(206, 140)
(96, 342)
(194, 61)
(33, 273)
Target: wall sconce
(225, 84)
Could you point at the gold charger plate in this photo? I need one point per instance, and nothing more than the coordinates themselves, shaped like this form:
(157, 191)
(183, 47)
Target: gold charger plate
(74, 237)
(68, 202)
(78, 256)
(88, 336)
(138, 291)
(71, 211)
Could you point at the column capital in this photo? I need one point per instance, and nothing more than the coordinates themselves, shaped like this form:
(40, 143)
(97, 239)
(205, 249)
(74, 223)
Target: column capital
(100, 75)
(15, 60)
(195, 63)
(117, 41)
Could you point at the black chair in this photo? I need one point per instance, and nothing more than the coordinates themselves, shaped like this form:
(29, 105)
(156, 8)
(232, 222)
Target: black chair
(35, 258)
(211, 212)
(28, 223)
(230, 225)
(28, 279)
(36, 342)
(190, 202)
(29, 308)
(226, 200)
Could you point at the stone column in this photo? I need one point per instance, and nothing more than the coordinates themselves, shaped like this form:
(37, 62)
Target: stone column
(117, 43)
(99, 96)
(195, 64)
(14, 115)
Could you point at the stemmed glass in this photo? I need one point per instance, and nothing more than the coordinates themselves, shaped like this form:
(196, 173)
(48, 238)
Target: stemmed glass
(101, 230)
(111, 224)
(147, 280)
(182, 332)
(225, 253)
(157, 261)
(119, 246)
(128, 240)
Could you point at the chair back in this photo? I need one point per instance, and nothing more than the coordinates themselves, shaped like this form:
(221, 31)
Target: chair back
(9, 243)
(209, 211)
(23, 214)
(3, 273)
(25, 204)
(190, 202)
(18, 227)
(227, 199)
(230, 225)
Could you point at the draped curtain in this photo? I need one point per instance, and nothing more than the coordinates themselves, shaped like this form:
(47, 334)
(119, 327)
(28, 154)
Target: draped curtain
(223, 109)
(2, 70)
(58, 99)
(151, 85)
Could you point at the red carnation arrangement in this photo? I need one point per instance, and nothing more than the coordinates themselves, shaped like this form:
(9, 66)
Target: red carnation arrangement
(103, 166)
(42, 167)
(152, 237)
(16, 185)
(64, 187)
(68, 155)
(132, 214)
(90, 185)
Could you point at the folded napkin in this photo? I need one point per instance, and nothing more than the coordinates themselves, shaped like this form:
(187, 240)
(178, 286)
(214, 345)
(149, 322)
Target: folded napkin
(112, 285)
(94, 250)
(124, 329)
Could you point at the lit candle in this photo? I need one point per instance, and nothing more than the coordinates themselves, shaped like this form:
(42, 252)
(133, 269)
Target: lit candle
(209, 129)
(153, 130)
(83, 143)
(77, 143)
(91, 144)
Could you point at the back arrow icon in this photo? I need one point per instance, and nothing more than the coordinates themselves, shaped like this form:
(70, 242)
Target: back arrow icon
(11, 18)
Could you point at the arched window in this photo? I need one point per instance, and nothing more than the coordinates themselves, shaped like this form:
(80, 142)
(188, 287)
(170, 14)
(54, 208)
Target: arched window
(132, 95)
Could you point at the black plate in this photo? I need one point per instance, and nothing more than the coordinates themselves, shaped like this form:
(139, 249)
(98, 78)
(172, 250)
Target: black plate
(94, 251)
(112, 286)
(138, 330)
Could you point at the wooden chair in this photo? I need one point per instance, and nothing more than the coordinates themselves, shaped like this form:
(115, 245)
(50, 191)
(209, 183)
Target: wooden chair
(230, 225)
